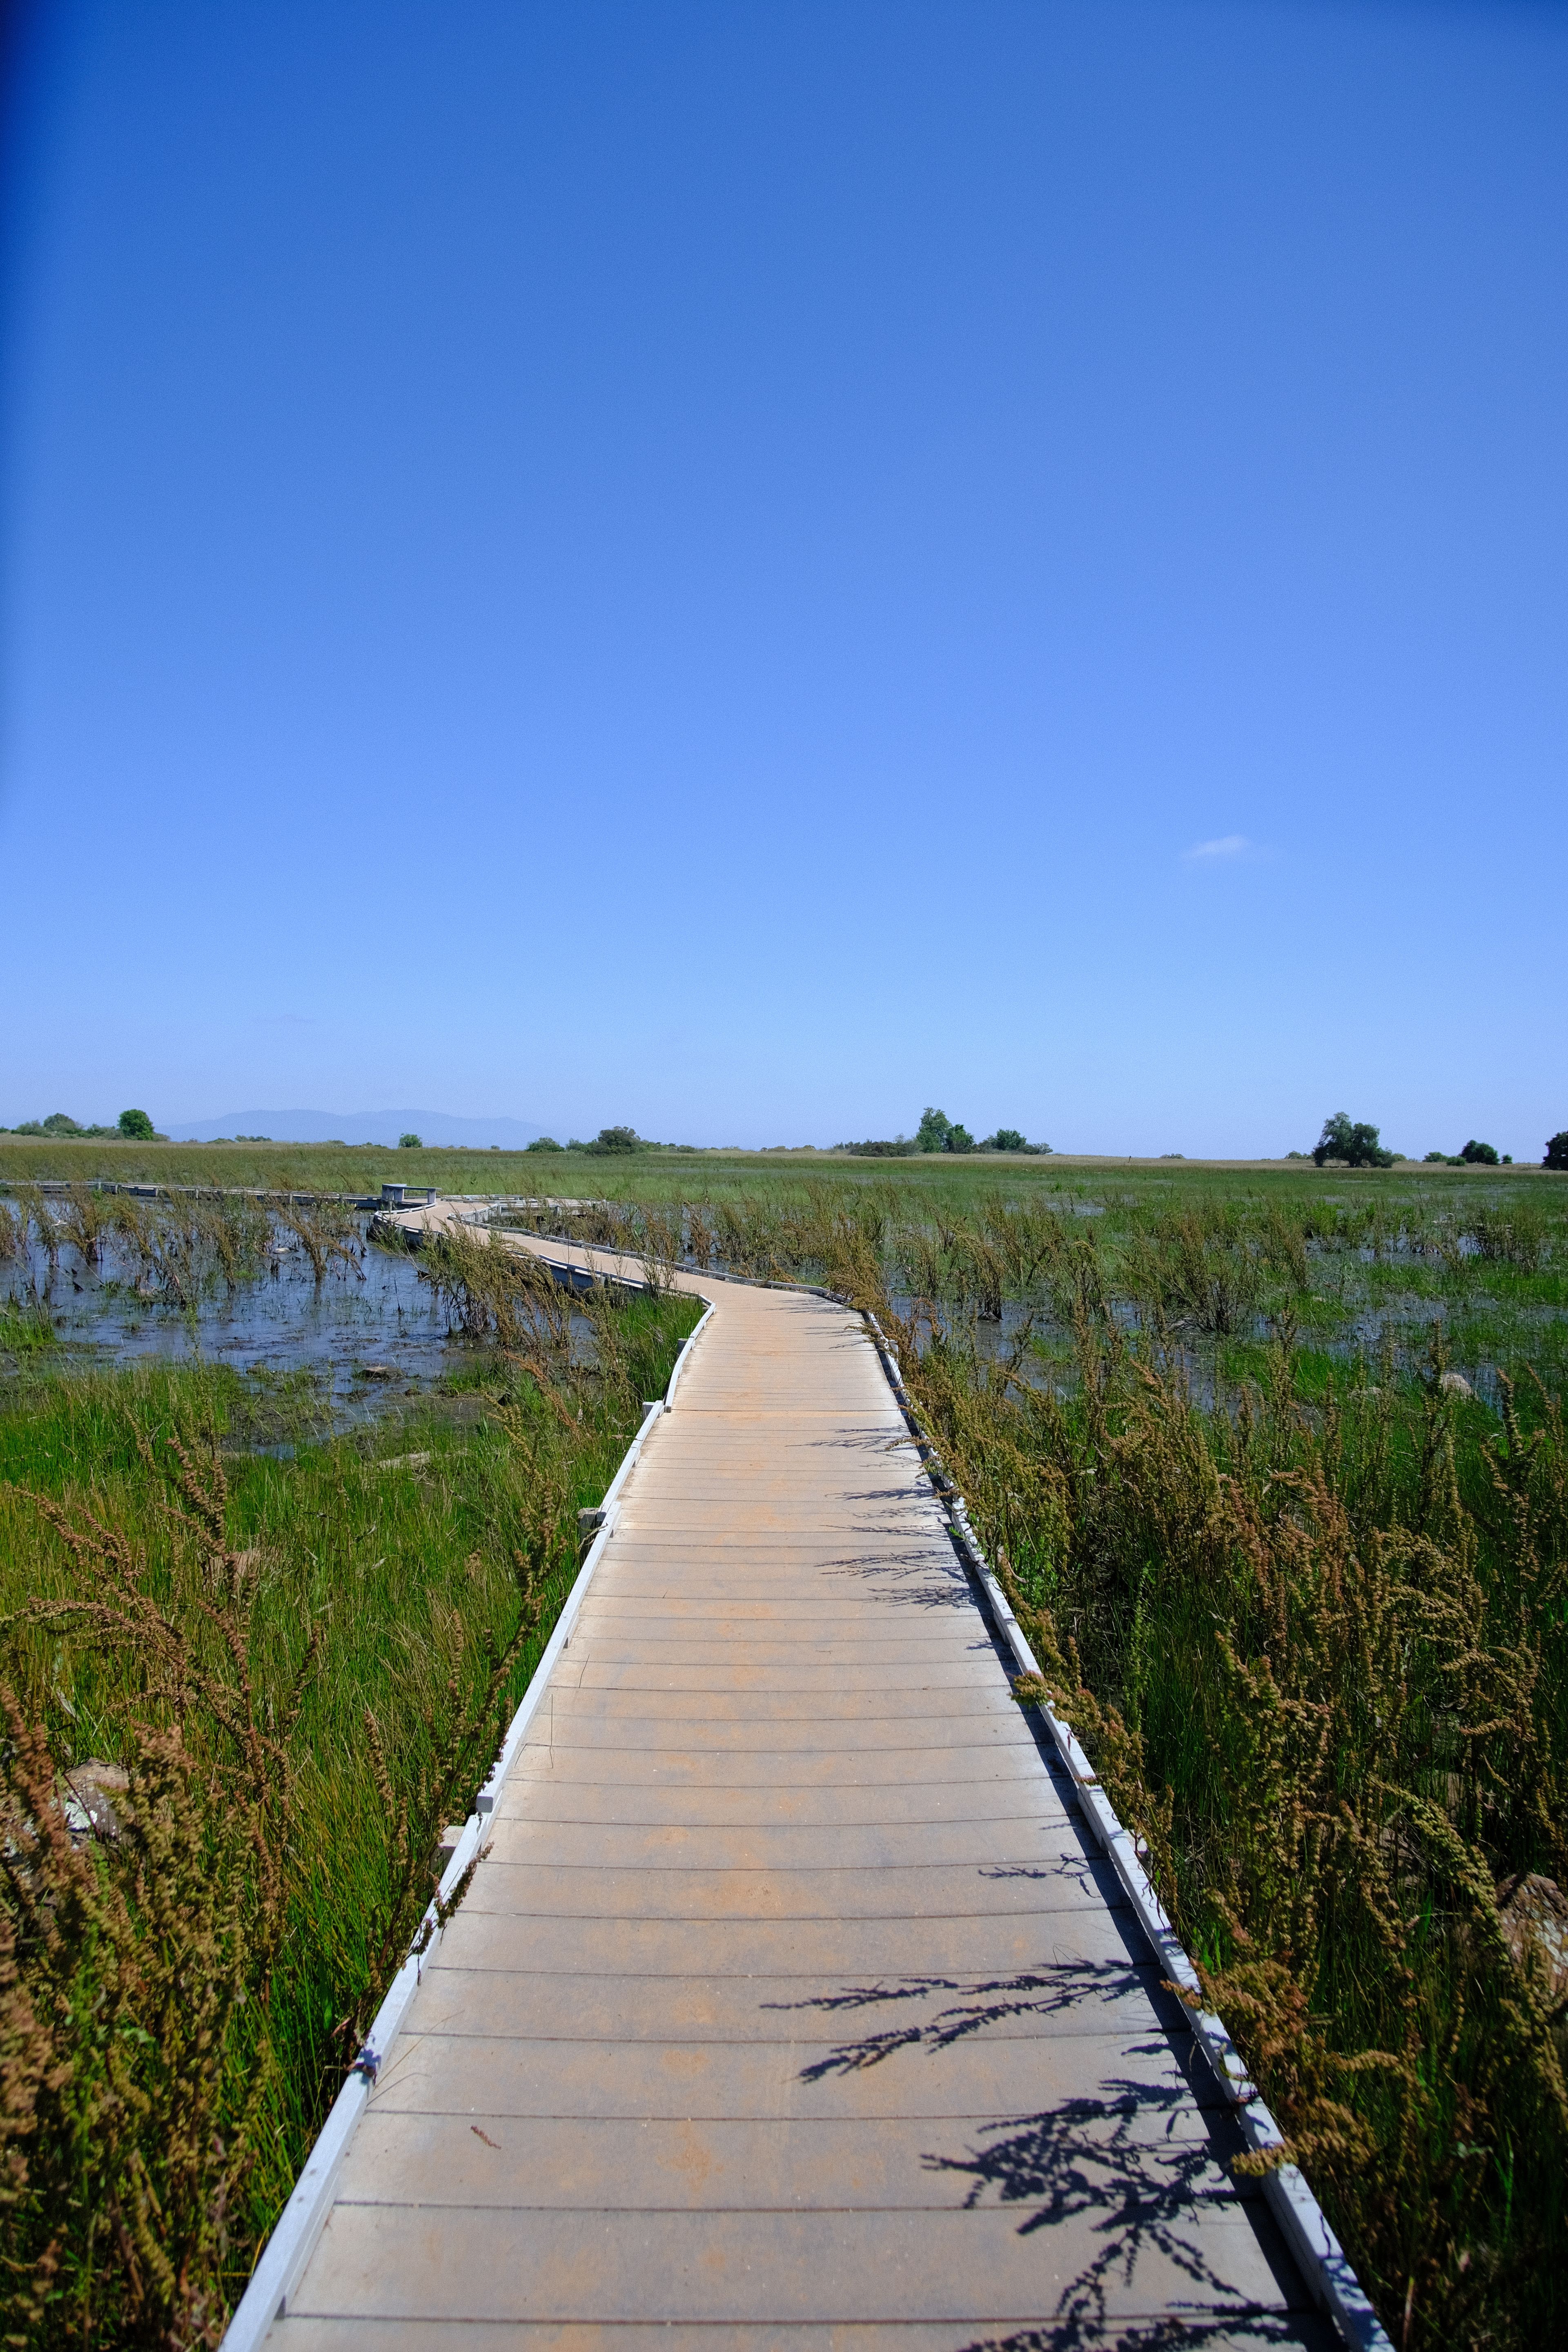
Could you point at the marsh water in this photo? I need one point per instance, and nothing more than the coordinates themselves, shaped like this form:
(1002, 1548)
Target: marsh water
(365, 1334)
(368, 1333)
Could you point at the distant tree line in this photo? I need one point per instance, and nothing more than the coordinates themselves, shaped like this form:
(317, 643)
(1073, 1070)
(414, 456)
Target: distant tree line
(1474, 1155)
(1354, 1143)
(609, 1140)
(937, 1133)
(134, 1124)
(1343, 1143)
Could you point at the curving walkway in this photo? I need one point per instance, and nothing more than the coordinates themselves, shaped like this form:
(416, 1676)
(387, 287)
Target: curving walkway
(790, 2006)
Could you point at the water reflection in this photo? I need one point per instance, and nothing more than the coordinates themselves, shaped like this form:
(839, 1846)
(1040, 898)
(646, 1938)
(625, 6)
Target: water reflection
(369, 1331)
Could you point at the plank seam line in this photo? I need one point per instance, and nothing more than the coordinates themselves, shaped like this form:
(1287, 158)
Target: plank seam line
(906, 1822)
(740, 1869)
(733, 1976)
(990, 1780)
(999, 1713)
(1031, 1911)
(440, 2036)
(676, 1746)
(682, 2114)
(842, 2328)
(628, 2212)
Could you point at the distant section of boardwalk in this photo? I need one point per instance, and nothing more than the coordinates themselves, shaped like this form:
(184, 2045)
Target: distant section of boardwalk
(789, 2006)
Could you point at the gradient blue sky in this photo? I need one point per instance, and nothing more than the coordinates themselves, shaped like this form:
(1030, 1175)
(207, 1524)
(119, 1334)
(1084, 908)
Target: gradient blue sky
(747, 568)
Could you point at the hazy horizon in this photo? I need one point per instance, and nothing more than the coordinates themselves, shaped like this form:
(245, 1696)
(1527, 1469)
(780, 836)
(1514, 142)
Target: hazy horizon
(443, 1130)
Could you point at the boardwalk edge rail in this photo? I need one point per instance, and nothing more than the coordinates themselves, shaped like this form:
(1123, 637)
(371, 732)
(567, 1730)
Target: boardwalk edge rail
(1324, 2265)
(276, 2278)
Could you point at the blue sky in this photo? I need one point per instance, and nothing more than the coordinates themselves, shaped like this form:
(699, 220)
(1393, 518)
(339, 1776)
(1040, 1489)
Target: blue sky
(747, 568)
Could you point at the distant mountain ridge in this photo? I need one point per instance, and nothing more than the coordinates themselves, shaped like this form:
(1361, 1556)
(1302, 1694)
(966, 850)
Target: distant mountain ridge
(356, 1126)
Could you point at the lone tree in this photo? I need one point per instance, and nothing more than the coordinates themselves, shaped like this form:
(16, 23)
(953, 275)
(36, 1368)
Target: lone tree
(1479, 1155)
(616, 1138)
(1557, 1153)
(411, 1143)
(1357, 1145)
(137, 1125)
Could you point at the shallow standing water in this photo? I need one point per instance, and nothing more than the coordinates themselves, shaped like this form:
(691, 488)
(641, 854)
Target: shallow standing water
(368, 1335)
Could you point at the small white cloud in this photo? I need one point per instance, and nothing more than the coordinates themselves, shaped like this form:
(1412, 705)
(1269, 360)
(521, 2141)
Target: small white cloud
(1229, 845)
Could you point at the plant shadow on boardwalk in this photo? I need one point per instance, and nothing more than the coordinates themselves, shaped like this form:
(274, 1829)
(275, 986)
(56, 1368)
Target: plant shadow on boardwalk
(892, 1577)
(1116, 2157)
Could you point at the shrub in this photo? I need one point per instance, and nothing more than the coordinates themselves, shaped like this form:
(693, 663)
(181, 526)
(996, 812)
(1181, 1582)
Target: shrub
(411, 1143)
(138, 1126)
(1479, 1155)
(1557, 1151)
(1006, 1138)
(616, 1138)
(544, 1143)
(1357, 1145)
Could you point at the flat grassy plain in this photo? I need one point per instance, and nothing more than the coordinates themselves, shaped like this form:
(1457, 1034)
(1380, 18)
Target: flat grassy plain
(654, 1172)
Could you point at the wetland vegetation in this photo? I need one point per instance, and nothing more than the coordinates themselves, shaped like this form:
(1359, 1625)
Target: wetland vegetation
(1272, 1462)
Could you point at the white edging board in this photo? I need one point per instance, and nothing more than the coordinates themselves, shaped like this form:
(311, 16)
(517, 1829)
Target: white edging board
(1323, 2262)
(277, 2275)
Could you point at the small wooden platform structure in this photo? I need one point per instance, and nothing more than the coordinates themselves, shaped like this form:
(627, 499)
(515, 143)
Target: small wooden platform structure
(790, 2006)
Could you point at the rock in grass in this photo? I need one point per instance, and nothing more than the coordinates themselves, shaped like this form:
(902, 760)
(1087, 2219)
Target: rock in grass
(1456, 1384)
(86, 1794)
(1534, 1917)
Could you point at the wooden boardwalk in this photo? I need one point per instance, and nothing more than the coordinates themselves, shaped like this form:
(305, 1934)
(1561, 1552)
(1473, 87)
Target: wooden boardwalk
(790, 2005)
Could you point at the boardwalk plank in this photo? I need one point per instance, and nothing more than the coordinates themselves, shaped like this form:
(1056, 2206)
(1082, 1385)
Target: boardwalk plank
(971, 2269)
